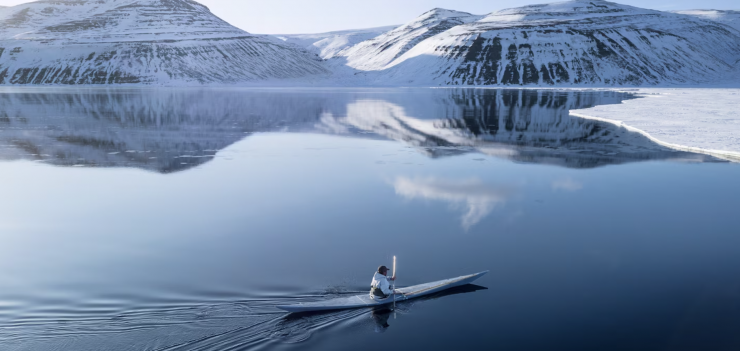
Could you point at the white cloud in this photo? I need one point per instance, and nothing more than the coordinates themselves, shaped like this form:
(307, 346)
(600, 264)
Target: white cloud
(478, 198)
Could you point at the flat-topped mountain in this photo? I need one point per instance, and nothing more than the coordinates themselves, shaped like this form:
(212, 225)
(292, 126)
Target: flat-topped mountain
(137, 41)
(93, 21)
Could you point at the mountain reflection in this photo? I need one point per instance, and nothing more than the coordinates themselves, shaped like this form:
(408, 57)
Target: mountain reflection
(163, 130)
(167, 130)
(521, 125)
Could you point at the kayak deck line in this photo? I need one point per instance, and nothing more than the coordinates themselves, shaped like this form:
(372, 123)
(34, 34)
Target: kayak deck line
(437, 286)
(365, 300)
(358, 298)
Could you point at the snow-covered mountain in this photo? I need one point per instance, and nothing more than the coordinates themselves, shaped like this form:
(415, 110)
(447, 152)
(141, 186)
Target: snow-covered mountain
(728, 17)
(137, 41)
(378, 53)
(576, 42)
(330, 44)
(180, 42)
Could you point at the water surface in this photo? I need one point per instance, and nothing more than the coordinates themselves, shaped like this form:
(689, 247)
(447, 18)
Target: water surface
(176, 219)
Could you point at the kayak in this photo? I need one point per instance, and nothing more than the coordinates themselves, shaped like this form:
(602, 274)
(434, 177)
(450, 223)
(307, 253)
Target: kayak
(364, 300)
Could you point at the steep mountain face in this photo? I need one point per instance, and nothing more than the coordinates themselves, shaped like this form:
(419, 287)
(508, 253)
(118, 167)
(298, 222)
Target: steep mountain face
(728, 17)
(377, 53)
(327, 45)
(576, 42)
(137, 41)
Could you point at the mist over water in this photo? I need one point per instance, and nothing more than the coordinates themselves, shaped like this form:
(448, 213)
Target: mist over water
(177, 219)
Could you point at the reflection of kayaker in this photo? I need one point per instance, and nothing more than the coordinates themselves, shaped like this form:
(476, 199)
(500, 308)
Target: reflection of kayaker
(380, 317)
(380, 287)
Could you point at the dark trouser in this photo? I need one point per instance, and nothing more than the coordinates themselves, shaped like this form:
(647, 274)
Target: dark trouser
(378, 293)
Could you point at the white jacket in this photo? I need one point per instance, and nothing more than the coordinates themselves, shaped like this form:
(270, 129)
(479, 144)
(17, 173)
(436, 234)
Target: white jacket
(381, 282)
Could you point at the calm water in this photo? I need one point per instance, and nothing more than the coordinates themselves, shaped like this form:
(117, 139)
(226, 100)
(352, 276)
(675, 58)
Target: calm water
(176, 219)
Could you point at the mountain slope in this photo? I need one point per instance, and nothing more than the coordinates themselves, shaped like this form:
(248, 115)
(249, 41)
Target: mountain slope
(576, 42)
(330, 44)
(377, 53)
(137, 41)
(728, 17)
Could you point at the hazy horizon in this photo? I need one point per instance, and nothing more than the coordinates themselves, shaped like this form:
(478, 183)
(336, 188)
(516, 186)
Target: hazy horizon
(294, 17)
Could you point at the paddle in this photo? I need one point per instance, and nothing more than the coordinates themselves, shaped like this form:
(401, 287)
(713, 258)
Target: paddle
(394, 284)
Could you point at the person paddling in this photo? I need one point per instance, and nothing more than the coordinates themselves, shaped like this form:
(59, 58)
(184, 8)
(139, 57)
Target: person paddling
(380, 287)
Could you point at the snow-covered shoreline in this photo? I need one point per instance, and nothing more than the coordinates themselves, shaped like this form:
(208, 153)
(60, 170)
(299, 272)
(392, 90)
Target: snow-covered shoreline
(688, 119)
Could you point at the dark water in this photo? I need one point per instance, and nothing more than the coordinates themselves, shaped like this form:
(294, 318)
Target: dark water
(176, 219)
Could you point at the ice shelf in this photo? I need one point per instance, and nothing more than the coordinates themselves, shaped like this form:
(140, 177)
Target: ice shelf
(697, 120)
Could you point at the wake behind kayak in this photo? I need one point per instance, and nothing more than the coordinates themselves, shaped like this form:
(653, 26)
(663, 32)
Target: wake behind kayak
(364, 300)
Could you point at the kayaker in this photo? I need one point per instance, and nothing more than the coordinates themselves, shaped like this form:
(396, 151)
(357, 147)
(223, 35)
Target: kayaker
(380, 287)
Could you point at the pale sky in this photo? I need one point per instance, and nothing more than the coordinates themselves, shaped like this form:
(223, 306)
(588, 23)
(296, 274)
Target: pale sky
(315, 16)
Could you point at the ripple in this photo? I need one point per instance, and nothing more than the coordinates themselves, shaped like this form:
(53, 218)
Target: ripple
(227, 325)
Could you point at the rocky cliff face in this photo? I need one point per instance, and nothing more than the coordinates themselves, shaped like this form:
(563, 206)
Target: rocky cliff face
(569, 43)
(137, 41)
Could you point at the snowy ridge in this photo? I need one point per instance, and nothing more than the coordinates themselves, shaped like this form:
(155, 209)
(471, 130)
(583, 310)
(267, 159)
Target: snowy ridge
(137, 41)
(78, 21)
(728, 17)
(378, 53)
(330, 44)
